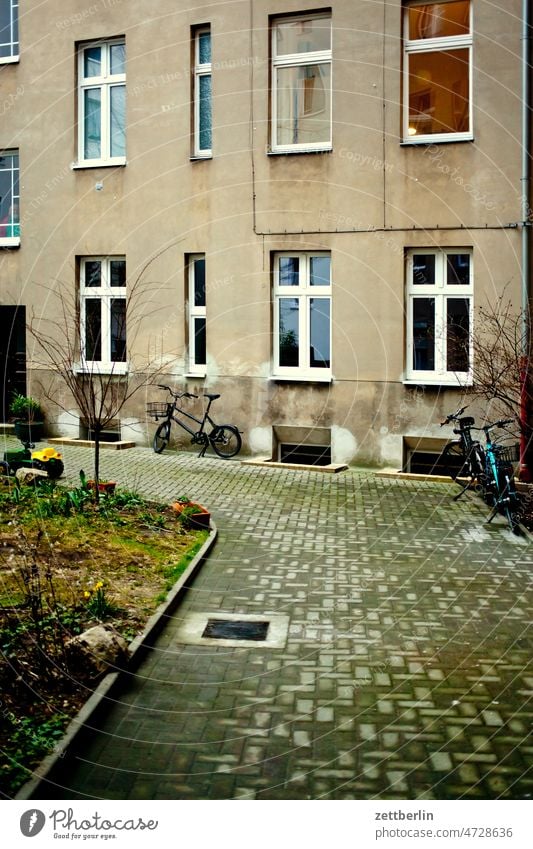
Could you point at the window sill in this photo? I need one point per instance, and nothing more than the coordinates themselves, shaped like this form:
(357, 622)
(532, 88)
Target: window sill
(305, 150)
(422, 141)
(99, 163)
(191, 375)
(449, 382)
(102, 369)
(301, 378)
(10, 60)
(9, 241)
(200, 157)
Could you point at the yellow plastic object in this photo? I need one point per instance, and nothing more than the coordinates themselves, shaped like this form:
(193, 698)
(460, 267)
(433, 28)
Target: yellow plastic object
(46, 454)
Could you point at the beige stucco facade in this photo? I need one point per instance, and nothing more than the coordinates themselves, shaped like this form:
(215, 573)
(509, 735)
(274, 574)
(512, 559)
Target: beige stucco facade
(367, 201)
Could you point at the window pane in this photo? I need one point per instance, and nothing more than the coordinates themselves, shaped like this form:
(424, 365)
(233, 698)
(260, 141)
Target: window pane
(118, 330)
(199, 283)
(303, 104)
(93, 329)
(200, 347)
(457, 334)
(424, 269)
(458, 269)
(205, 112)
(92, 62)
(436, 20)
(118, 272)
(118, 58)
(289, 271)
(319, 350)
(424, 334)
(320, 271)
(15, 27)
(289, 337)
(118, 120)
(204, 48)
(93, 273)
(7, 211)
(303, 36)
(438, 92)
(92, 139)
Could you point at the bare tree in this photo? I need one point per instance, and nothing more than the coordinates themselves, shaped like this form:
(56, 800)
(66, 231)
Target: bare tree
(502, 366)
(99, 393)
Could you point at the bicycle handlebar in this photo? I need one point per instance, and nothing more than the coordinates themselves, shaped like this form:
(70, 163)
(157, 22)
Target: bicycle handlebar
(176, 394)
(453, 416)
(499, 423)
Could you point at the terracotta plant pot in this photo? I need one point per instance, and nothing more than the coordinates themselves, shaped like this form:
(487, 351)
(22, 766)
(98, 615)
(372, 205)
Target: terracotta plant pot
(195, 516)
(107, 487)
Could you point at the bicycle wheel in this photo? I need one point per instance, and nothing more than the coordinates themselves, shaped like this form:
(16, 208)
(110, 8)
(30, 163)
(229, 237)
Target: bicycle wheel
(161, 438)
(510, 499)
(455, 462)
(226, 441)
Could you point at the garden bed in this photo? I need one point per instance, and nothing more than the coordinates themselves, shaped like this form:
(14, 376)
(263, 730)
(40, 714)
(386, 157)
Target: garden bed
(67, 564)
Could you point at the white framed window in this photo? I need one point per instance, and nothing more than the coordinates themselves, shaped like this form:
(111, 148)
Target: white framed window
(103, 314)
(102, 103)
(301, 85)
(9, 31)
(197, 315)
(437, 80)
(9, 199)
(302, 316)
(202, 93)
(439, 295)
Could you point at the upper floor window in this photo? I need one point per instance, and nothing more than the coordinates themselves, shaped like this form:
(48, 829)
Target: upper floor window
(302, 316)
(9, 31)
(439, 307)
(438, 71)
(202, 95)
(9, 198)
(301, 84)
(197, 315)
(103, 314)
(102, 103)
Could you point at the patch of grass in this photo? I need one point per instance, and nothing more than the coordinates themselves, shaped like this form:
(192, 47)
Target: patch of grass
(66, 564)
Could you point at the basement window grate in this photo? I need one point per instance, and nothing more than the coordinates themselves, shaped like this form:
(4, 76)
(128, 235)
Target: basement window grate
(225, 629)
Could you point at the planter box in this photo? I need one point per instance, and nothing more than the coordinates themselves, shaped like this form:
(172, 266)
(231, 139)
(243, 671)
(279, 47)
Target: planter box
(29, 431)
(196, 517)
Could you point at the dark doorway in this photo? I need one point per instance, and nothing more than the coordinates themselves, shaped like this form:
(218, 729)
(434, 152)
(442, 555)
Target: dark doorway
(12, 355)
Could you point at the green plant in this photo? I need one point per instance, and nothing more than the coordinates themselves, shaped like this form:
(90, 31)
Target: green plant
(98, 604)
(26, 408)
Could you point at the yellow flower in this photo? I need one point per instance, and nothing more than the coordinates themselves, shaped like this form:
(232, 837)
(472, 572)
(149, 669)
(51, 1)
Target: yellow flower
(99, 585)
(86, 594)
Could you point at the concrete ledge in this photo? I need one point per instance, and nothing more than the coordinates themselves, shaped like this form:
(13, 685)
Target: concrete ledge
(89, 443)
(411, 476)
(331, 468)
(105, 691)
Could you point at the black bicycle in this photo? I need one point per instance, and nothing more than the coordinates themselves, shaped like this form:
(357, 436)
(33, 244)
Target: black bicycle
(464, 458)
(225, 439)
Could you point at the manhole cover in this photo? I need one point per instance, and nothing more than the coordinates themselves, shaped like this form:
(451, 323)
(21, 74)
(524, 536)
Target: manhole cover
(262, 630)
(224, 629)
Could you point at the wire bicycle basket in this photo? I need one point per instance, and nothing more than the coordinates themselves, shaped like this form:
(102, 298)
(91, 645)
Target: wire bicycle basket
(157, 409)
(507, 454)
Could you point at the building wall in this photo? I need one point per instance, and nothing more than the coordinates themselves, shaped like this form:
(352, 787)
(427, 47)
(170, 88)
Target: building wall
(366, 201)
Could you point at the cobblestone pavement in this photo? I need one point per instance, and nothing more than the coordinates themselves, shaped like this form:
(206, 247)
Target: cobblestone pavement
(406, 672)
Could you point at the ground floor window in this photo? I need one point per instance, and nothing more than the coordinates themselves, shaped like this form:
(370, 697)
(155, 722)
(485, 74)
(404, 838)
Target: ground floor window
(9, 198)
(103, 313)
(439, 295)
(197, 317)
(302, 315)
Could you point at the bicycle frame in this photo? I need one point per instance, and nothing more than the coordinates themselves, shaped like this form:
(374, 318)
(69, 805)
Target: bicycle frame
(201, 422)
(503, 495)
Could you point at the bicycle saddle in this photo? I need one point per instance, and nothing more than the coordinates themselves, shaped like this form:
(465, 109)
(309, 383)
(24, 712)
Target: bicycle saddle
(211, 397)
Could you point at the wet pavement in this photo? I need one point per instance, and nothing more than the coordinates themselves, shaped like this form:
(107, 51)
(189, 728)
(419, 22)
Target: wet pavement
(404, 664)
